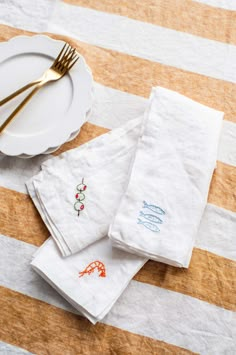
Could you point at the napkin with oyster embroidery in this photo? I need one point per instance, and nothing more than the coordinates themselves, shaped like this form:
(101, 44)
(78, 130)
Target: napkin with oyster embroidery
(160, 211)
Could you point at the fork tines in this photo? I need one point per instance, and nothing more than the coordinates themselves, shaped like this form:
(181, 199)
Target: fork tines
(66, 58)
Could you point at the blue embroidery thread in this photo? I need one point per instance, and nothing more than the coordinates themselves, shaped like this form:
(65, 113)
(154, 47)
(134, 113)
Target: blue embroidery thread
(151, 226)
(151, 220)
(153, 208)
(150, 217)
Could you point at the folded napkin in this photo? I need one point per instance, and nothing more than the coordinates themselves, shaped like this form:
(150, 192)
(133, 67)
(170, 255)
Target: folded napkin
(91, 280)
(159, 214)
(78, 192)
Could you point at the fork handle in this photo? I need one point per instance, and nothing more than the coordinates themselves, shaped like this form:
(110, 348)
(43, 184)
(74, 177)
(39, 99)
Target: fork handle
(18, 92)
(20, 107)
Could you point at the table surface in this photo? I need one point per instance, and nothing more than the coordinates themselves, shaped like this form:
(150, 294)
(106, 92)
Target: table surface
(183, 45)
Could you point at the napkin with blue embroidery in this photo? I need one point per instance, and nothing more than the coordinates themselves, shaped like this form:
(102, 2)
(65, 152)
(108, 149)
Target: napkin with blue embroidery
(160, 212)
(78, 192)
(91, 280)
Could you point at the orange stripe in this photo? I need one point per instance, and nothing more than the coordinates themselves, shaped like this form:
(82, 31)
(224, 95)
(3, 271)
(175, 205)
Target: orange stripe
(44, 329)
(180, 15)
(137, 76)
(210, 278)
(223, 187)
(20, 219)
(88, 131)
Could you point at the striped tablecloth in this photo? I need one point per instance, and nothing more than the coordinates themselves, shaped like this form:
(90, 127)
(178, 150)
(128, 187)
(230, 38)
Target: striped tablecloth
(183, 45)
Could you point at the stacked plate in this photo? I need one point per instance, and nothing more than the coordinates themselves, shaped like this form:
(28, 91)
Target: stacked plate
(56, 113)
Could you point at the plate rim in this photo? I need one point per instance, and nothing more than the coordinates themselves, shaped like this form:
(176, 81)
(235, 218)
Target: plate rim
(64, 134)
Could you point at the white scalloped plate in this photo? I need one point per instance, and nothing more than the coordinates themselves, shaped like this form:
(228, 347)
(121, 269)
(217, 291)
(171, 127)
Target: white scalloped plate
(56, 111)
(49, 150)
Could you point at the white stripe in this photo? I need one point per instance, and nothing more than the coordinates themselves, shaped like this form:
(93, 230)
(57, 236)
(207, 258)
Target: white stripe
(145, 40)
(223, 4)
(8, 349)
(143, 309)
(19, 276)
(111, 109)
(14, 172)
(227, 146)
(174, 318)
(217, 232)
(30, 15)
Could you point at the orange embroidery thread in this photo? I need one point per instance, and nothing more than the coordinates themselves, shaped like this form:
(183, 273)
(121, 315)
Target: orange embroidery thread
(92, 266)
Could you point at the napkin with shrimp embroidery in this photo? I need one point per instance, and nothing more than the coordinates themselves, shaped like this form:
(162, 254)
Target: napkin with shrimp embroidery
(77, 192)
(160, 212)
(91, 280)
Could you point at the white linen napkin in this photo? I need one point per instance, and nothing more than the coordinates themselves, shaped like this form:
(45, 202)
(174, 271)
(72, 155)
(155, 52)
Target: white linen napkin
(159, 214)
(78, 192)
(91, 280)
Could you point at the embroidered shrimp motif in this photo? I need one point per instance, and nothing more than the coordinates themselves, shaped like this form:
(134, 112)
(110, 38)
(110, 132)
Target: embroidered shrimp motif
(80, 196)
(92, 266)
(151, 220)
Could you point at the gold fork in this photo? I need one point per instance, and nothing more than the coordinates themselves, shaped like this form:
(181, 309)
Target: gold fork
(61, 65)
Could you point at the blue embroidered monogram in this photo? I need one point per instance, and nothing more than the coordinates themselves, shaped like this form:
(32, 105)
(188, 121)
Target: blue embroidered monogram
(153, 208)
